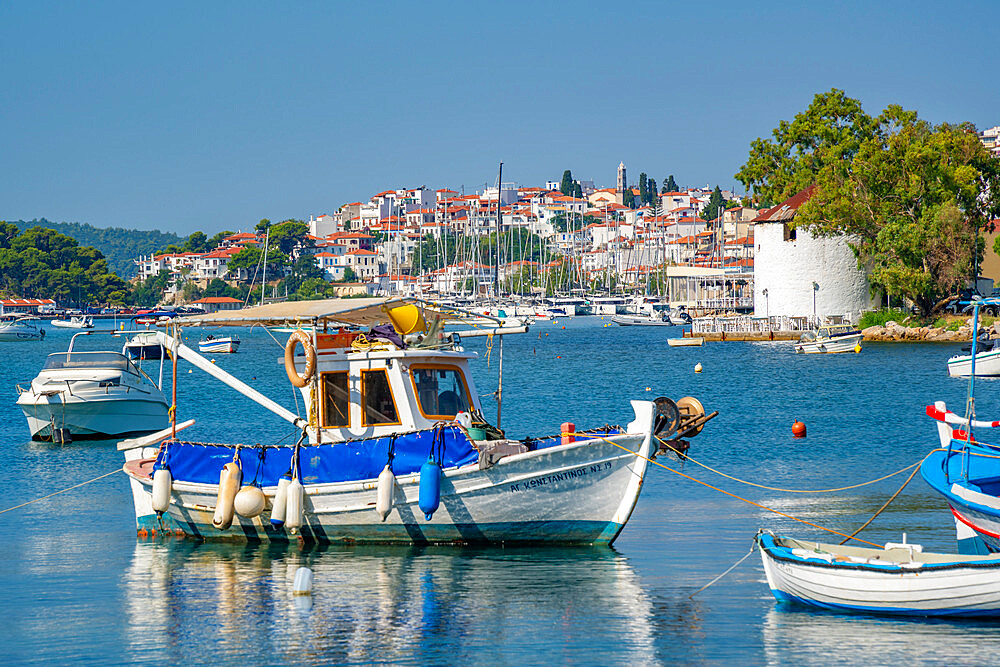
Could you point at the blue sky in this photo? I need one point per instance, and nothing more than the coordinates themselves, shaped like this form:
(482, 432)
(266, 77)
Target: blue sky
(185, 116)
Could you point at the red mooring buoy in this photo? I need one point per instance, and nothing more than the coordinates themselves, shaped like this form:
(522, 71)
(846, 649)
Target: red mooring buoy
(799, 429)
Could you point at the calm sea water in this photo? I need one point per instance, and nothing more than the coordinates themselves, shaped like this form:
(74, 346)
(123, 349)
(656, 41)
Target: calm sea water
(76, 585)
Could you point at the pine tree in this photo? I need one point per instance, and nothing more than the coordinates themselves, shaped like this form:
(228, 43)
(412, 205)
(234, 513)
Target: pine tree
(670, 185)
(577, 191)
(651, 192)
(643, 188)
(566, 187)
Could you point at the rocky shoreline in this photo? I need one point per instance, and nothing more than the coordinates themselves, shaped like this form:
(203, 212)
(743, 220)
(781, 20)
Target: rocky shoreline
(895, 332)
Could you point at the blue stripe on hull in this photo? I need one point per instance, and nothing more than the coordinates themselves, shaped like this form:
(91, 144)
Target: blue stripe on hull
(781, 596)
(521, 532)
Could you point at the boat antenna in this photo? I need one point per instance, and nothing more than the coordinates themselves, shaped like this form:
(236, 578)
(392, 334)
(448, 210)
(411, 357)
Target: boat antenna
(263, 282)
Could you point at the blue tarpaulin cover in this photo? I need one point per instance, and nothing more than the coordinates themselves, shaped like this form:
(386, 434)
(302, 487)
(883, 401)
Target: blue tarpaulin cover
(337, 462)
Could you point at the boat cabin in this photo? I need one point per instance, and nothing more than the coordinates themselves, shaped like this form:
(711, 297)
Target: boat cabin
(834, 330)
(383, 389)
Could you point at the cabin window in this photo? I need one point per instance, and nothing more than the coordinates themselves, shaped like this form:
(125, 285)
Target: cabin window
(441, 391)
(380, 408)
(336, 399)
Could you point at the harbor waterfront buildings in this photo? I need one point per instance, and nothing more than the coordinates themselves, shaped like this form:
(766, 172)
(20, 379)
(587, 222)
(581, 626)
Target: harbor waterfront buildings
(599, 242)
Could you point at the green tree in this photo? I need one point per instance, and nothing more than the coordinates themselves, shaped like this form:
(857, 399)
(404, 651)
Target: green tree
(643, 188)
(578, 191)
(715, 206)
(566, 187)
(263, 225)
(651, 192)
(670, 185)
(349, 276)
(287, 235)
(216, 240)
(197, 242)
(910, 196)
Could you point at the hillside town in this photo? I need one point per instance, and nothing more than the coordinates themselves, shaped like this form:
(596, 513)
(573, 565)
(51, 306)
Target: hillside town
(618, 240)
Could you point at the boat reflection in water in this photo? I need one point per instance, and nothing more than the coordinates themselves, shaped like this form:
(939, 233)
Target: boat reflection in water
(793, 634)
(427, 604)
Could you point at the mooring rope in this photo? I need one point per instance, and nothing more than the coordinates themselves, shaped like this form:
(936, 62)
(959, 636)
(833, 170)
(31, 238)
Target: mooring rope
(898, 491)
(733, 495)
(730, 569)
(56, 493)
(775, 488)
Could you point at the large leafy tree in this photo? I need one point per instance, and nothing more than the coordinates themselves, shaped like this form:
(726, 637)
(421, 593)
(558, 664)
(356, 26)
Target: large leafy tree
(910, 196)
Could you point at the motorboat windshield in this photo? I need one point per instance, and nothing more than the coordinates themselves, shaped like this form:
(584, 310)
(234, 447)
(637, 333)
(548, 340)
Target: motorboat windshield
(84, 360)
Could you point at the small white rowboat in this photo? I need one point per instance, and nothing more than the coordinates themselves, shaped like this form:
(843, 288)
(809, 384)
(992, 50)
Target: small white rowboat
(900, 579)
(685, 342)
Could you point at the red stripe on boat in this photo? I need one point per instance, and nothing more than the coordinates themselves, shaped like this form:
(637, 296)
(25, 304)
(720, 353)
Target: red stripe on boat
(974, 526)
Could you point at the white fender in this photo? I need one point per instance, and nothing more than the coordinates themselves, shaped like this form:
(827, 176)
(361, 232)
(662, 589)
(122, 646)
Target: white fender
(249, 502)
(293, 506)
(229, 484)
(280, 502)
(386, 487)
(162, 481)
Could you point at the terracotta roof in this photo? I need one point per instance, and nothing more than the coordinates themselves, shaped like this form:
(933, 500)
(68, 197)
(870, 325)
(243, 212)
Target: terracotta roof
(787, 209)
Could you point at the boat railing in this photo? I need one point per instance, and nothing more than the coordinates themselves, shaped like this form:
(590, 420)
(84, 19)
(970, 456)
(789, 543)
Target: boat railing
(749, 324)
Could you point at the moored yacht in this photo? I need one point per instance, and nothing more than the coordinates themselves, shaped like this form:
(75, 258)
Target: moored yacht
(20, 326)
(91, 394)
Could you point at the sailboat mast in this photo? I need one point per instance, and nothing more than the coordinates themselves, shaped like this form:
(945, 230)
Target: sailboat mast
(496, 266)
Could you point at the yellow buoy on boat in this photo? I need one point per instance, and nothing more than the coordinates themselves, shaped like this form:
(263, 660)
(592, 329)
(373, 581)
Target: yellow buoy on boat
(229, 484)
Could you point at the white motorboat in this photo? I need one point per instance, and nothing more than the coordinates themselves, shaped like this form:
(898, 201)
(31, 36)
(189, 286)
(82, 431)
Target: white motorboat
(143, 345)
(92, 394)
(20, 326)
(219, 344)
(75, 322)
(679, 315)
(399, 451)
(900, 579)
(655, 319)
(987, 361)
(830, 338)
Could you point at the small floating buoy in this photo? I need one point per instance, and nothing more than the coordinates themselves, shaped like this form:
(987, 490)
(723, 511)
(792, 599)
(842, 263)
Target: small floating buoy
(303, 582)
(293, 506)
(213, 361)
(162, 481)
(857, 348)
(249, 502)
(697, 367)
(648, 389)
(564, 327)
(386, 487)
(430, 488)
(280, 501)
(190, 371)
(799, 429)
(229, 484)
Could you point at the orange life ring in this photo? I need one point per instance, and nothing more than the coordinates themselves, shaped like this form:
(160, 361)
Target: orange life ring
(300, 336)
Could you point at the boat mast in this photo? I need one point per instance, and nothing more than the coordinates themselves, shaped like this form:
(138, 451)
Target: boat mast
(263, 283)
(496, 266)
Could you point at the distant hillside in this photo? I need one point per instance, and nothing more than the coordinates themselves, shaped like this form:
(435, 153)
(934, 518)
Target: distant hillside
(119, 246)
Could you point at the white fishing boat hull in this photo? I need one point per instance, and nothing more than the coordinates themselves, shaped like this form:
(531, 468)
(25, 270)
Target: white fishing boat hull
(693, 341)
(92, 416)
(219, 345)
(830, 345)
(968, 587)
(987, 364)
(577, 493)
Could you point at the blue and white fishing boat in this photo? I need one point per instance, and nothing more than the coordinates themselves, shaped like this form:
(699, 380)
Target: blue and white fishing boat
(966, 470)
(394, 448)
(219, 344)
(900, 579)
